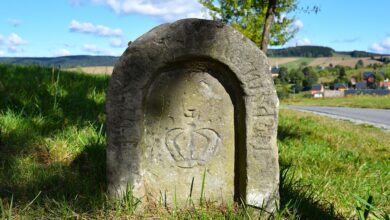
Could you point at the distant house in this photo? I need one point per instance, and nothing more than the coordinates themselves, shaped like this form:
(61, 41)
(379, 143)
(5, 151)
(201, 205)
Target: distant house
(367, 75)
(340, 86)
(317, 91)
(361, 85)
(275, 71)
(385, 84)
(371, 79)
(353, 82)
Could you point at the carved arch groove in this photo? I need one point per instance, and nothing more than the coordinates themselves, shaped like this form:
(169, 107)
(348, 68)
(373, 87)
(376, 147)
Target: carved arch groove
(246, 78)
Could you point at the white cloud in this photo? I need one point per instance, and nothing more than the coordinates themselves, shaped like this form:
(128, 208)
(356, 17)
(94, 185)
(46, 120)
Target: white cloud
(99, 30)
(62, 52)
(386, 43)
(92, 48)
(113, 53)
(377, 48)
(382, 47)
(118, 42)
(280, 18)
(15, 49)
(76, 2)
(15, 22)
(304, 41)
(165, 9)
(2, 53)
(297, 24)
(15, 40)
(300, 42)
(67, 45)
(14, 43)
(1, 39)
(347, 40)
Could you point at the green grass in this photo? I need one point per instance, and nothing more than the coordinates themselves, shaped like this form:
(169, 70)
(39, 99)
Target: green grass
(358, 101)
(337, 159)
(355, 72)
(52, 157)
(52, 150)
(297, 63)
(50, 138)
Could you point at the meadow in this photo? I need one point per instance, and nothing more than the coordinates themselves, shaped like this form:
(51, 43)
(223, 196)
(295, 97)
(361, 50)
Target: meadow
(52, 158)
(358, 101)
(337, 59)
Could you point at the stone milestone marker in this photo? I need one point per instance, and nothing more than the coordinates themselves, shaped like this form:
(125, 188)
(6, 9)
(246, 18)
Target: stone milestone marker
(193, 101)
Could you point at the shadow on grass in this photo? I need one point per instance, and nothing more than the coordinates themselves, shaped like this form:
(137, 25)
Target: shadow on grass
(298, 197)
(40, 108)
(37, 104)
(285, 132)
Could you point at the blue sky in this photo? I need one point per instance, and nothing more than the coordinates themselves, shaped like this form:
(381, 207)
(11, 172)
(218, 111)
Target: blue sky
(103, 27)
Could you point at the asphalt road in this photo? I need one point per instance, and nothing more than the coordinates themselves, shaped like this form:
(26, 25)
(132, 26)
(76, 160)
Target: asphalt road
(376, 117)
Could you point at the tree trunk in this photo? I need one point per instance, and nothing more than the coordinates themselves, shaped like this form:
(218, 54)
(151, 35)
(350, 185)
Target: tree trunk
(269, 18)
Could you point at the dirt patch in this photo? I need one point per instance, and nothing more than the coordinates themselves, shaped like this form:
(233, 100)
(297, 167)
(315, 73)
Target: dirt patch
(94, 69)
(343, 61)
(274, 61)
(324, 61)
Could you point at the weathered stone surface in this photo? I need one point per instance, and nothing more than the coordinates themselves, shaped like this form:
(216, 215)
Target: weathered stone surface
(189, 98)
(189, 127)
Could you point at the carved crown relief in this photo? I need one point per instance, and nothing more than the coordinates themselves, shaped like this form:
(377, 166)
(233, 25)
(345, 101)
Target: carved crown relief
(192, 145)
(189, 116)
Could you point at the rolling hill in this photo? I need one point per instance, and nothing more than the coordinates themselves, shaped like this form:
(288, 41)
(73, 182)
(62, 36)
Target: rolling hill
(65, 61)
(313, 55)
(317, 51)
(294, 62)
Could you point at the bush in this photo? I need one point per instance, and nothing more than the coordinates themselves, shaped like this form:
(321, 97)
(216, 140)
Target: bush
(283, 91)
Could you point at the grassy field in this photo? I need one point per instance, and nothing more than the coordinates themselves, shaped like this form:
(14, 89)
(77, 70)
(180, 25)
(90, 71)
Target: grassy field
(360, 71)
(93, 69)
(298, 62)
(274, 61)
(338, 159)
(52, 157)
(359, 101)
(343, 60)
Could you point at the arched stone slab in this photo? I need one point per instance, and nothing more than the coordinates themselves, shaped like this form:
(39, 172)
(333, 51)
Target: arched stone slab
(191, 98)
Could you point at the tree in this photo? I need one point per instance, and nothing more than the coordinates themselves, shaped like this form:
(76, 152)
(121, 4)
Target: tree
(377, 66)
(269, 18)
(262, 21)
(379, 77)
(302, 51)
(311, 77)
(297, 87)
(283, 74)
(296, 77)
(283, 91)
(359, 64)
(387, 75)
(341, 75)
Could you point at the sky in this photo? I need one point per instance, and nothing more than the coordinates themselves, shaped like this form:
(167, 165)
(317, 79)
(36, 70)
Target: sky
(49, 28)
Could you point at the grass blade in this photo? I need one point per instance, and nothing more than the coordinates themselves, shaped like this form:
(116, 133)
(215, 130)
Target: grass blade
(202, 188)
(32, 201)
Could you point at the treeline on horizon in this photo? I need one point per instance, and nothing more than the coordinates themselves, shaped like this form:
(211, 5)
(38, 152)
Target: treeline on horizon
(64, 61)
(86, 60)
(315, 51)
